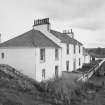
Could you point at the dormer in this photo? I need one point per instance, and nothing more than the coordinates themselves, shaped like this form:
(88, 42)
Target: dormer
(42, 24)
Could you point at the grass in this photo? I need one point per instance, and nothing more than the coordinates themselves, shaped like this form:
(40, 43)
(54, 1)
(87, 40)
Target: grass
(21, 90)
(17, 89)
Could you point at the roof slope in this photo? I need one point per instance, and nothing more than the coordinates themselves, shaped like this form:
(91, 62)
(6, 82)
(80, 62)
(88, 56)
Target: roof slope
(65, 38)
(32, 38)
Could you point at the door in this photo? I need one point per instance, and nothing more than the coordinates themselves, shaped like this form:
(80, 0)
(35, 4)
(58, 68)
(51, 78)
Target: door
(67, 65)
(56, 71)
(74, 65)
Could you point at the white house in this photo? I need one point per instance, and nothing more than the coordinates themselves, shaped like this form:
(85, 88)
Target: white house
(95, 56)
(33, 54)
(72, 50)
(87, 57)
(42, 53)
(72, 53)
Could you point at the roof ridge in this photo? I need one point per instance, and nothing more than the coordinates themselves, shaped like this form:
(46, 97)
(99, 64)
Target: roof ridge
(32, 38)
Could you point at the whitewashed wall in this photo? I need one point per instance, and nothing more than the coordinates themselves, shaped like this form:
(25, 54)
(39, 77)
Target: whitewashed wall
(87, 59)
(71, 57)
(23, 59)
(48, 65)
(67, 57)
(44, 29)
(27, 61)
(78, 55)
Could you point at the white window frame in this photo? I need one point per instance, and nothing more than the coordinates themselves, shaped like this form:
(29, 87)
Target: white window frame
(67, 50)
(67, 65)
(56, 71)
(42, 54)
(56, 54)
(43, 74)
(74, 49)
(2, 55)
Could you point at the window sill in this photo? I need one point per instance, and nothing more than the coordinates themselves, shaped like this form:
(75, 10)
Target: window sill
(42, 61)
(56, 59)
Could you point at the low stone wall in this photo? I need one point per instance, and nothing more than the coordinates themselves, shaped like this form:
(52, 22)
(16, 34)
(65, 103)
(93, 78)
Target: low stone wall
(71, 75)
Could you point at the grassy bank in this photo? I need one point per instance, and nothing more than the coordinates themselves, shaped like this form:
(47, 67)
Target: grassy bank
(17, 89)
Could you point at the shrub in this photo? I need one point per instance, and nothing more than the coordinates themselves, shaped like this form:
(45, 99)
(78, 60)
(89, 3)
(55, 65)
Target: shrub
(58, 90)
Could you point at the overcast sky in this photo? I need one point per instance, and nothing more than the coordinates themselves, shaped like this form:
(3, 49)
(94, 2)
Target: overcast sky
(85, 17)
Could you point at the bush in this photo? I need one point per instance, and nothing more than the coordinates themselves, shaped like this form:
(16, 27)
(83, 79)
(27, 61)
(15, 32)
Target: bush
(58, 90)
(10, 102)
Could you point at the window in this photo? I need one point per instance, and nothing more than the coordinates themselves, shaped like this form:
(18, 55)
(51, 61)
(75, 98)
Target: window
(67, 65)
(74, 64)
(43, 74)
(2, 55)
(42, 54)
(56, 54)
(79, 49)
(56, 71)
(48, 27)
(74, 49)
(67, 48)
(79, 61)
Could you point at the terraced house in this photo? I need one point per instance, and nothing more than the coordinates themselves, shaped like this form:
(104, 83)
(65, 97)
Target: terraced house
(72, 50)
(42, 53)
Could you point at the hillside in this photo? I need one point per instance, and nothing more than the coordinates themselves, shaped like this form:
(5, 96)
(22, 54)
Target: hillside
(18, 89)
(98, 52)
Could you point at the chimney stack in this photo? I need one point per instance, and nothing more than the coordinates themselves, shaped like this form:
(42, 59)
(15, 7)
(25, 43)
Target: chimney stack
(42, 24)
(69, 33)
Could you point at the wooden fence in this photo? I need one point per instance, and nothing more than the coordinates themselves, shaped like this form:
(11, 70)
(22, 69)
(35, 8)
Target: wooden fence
(88, 74)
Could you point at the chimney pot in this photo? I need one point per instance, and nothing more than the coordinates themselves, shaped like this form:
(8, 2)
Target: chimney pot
(70, 33)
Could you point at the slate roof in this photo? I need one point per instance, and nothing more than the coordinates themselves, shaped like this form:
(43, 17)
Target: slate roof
(32, 38)
(65, 38)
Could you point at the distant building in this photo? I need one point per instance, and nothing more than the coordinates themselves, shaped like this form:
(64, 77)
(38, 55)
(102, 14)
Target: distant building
(96, 53)
(87, 56)
(43, 53)
(95, 56)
